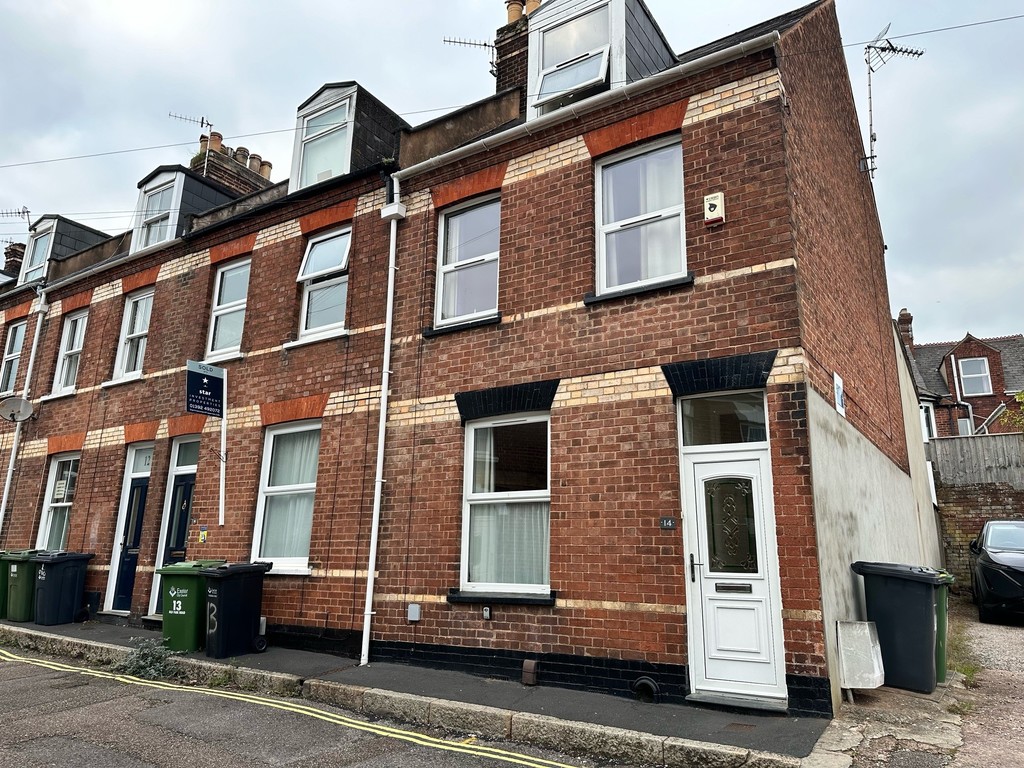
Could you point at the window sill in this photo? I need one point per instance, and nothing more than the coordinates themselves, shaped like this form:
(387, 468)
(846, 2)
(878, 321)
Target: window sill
(594, 298)
(313, 339)
(122, 380)
(290, 572)
(458, 597)
(57, 395)
(429, 333)
(223, 357)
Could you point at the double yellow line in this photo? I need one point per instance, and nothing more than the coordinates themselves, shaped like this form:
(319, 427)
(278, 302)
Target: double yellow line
(466, 747)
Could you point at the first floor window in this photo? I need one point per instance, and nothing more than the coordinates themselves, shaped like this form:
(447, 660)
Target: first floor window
(134, 331)
(468, 263)
(324, 279)
(974, 376)
(60, 494)
(640, 218)
(506, 515)
(228, 314)
(284, 515)
(71, 341)
(12, 356)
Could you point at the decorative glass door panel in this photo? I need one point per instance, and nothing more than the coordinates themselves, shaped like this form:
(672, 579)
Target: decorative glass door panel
(731, 526)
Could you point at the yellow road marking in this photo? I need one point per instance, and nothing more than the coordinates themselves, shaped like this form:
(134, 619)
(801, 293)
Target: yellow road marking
(468, 747)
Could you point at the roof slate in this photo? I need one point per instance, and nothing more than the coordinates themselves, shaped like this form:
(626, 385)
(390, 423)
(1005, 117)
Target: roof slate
(928, 358)
(778, 24)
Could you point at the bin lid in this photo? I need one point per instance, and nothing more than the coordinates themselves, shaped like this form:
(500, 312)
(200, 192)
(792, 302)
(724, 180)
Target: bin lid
(20, 555)
(902, 571)
(187, 566)
(59, 556)
(227, 570)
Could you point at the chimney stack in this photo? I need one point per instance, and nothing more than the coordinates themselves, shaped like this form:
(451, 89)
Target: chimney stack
(905, 322)
(14, 254)
(236, 169)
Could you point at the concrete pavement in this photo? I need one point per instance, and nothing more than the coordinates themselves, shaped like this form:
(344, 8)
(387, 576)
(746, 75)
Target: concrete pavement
(575, 722)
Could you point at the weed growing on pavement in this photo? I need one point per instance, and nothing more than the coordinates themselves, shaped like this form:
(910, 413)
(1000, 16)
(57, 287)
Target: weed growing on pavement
(961, 708)
(150, 659)
(220, 679)
(959, 654)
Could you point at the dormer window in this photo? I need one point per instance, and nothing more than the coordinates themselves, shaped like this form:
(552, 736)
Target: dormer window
(159, 209)
(974, 376)
(156, 221)
(34, 266)
(323, 146)
(574, 56)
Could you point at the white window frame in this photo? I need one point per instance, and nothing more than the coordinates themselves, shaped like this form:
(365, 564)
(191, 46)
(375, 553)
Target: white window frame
(12, 358)
(47, 230)
(282, 565)
(347, 99)
(49, 505)
(156, 185)
(470, 498)
(72, 341)
(219, 310)
(605, 228)
(601, 51)
(985, 377)
(446, 270)
(320, 279)
(129, 336)
(928, 429)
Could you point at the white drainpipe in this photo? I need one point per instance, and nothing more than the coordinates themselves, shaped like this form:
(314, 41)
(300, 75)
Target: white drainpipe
(393, 212)
(41, 309)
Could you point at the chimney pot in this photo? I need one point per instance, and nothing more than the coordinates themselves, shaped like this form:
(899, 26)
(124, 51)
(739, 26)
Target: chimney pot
(265, 167)
(515, 10)
(242, 155)
(531, 6)
(254, 162)
(204, 143)
(216, 141)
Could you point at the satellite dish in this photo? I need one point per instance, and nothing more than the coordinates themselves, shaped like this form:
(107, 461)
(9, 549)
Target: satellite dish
(15, 409)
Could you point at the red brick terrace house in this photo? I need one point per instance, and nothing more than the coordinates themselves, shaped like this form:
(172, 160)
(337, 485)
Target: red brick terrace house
(591, 381)
(965, 386)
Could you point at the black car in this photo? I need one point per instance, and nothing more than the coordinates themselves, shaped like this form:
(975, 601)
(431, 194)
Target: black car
(997, 569)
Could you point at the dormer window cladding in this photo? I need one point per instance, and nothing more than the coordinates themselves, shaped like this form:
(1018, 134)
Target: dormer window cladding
(574, 55)
(325, 145)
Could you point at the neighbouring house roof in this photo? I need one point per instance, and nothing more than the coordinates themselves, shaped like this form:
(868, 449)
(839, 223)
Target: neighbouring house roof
(778, 24)
(928, 359)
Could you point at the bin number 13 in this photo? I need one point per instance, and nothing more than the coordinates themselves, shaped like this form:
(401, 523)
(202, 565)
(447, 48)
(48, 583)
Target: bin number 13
(176, 606)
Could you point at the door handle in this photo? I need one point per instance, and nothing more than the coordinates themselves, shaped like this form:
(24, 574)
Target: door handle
(693, 568)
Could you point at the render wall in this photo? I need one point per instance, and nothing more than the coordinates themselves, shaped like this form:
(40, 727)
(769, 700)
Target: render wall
(864, 509)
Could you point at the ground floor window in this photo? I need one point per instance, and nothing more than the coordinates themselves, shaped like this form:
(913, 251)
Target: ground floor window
(506, 514)
(60, 495)
(284, 514)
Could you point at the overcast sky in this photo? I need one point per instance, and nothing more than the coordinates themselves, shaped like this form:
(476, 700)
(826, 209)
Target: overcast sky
(81, 77)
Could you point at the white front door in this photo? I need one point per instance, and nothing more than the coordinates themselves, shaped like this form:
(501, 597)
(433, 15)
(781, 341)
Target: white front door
(733, 604)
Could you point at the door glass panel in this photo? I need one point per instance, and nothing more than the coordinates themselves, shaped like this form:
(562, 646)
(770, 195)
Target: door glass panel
(724, 419)
(731, 531)
(142, 461)
(188, 454)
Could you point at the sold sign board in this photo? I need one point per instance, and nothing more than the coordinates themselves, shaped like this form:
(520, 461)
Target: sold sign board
(204, 389)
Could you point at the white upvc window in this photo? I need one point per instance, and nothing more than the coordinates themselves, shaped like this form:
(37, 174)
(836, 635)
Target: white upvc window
(507, 502)
(324, 144)
(640, 227)
(974, 376)
(574, 55)
(928, 421)
(131, 349)
(323, 276)
(467, 282)
(284, 510)
(72, 339)
(60, 495)
(34, 265)
(230, 292)
(156, 216)
(12, 356)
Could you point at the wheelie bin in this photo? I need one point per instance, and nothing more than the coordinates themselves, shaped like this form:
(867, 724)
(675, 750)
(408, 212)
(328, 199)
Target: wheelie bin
(234, 598)
(21, 584)
(3, 586)
(184, 600)
(60, 586)
(903, 602)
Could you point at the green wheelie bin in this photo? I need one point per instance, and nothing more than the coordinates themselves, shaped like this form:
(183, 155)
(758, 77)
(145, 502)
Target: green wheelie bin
(3, 586)
(21, 584)
(184, 604)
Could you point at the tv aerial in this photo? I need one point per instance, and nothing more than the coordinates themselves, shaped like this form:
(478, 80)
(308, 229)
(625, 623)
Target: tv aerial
(876, 54)
(15, 409)
(203, 124)
(476, 44)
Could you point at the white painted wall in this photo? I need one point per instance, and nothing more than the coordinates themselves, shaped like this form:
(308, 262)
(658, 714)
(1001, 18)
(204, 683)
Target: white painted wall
(865, 508)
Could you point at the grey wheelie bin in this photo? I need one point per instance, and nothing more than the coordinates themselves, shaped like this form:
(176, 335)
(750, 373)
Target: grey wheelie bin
(234, 598)
(904, 603)
(60, 586)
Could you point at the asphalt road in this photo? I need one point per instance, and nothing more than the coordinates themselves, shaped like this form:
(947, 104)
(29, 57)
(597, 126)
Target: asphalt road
(56, 714)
